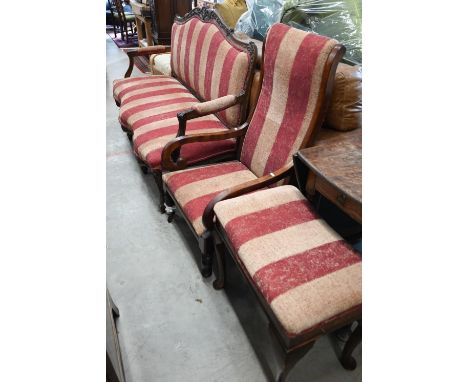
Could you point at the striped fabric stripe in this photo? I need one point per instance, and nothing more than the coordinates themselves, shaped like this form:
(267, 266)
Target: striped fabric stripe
(294, 63)
(304, 269)
(135, 85)
(194, 188)
(204, 60)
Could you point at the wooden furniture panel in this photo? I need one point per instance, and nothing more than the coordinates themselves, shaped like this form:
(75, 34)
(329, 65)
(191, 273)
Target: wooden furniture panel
(114, 366)
(163, 13)
(333, 167)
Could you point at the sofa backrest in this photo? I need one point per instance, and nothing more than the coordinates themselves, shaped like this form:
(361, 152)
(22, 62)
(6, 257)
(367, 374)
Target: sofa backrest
(210, 61)
(298, 73)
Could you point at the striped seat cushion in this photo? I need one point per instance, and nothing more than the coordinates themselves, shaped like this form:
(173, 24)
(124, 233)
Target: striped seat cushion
(149, 140)
(294, 65)
(128, 87)
(304, 270)
(194, 188)
(203, 59)
(143, 104)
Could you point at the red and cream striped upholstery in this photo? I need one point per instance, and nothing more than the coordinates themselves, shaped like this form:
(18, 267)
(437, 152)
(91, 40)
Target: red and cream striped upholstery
(194, 188)
(304, 270)
(203, 59)
(294, 63)
(149, 140)
(150, 99)
(293, 69)
(149, 107)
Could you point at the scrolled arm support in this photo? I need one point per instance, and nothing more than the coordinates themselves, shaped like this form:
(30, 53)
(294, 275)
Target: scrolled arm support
(170, 159)
(245, 188)
(205, 108)
(145, 51)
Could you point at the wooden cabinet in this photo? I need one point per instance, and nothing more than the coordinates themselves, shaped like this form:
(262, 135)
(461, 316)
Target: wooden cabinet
(163, 13)
(114, 366)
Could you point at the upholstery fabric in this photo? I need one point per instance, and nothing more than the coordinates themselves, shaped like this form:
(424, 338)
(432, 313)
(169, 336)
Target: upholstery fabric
(149, 107)
(345, 111)
(132, 86)
(294, 63)
(216, 104)
(204, 60)
(153, 99)
(149, 140)
(161, 64)
(304, 270)
(194, 188)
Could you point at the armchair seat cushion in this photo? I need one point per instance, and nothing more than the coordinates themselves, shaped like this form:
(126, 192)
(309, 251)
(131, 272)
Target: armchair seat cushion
(194, 188)
(303, 269)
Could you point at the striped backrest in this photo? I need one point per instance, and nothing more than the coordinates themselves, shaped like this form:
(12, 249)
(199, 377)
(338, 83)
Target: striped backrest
(207, 62)
(294, 71)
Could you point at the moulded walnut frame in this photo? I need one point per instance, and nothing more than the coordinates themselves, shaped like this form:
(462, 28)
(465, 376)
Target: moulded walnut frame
(292, 347)
(205, 242)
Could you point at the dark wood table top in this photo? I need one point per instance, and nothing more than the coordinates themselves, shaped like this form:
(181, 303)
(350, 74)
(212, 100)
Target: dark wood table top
(336, 157)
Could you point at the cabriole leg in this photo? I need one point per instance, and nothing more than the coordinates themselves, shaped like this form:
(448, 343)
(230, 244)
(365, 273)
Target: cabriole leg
(291, 359)
(346, 359)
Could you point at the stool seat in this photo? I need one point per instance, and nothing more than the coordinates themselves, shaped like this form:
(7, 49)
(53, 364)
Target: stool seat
(302, 268)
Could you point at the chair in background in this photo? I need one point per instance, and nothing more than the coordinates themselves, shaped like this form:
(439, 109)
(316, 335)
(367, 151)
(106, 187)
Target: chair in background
(125, 17)
(110, 18)
(298, 77)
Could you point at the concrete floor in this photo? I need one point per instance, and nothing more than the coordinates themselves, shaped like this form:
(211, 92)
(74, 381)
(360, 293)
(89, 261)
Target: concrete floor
(173, 325)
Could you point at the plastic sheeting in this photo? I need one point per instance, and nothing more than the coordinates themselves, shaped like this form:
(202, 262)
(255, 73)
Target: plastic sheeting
(340, 20)
(260, 16)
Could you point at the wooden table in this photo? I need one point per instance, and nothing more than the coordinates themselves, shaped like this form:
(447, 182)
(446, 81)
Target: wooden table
(333, 167)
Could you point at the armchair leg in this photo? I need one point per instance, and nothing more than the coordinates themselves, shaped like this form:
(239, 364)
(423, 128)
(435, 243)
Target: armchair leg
(207, 249)
(346, 359)
(220, 253)
(157, 174)
(168, 205)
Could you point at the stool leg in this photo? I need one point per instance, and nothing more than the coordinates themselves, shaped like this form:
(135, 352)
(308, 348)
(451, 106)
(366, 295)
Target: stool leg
(291, 359)
(346, 359)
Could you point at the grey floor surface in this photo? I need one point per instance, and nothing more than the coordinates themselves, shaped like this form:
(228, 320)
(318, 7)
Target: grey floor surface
(173, 325)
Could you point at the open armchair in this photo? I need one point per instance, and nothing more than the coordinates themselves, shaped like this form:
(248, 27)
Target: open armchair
(298, 73)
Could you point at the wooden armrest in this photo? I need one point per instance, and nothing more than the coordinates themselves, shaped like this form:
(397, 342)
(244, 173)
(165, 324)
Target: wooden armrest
(170, 157)
(245, 188)
(205, 108)
(145, 51)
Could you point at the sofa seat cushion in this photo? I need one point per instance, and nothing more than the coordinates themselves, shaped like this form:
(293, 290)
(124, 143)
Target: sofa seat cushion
(194, 188)
(162, 101)
(135, 87)
(149, 140)
(303, 269)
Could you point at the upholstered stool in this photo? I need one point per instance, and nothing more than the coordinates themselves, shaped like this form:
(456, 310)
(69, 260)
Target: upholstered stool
(308, 279)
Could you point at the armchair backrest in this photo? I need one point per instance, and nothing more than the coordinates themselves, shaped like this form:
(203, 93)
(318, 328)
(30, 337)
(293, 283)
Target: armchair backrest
(208, 59)
(298, 72)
